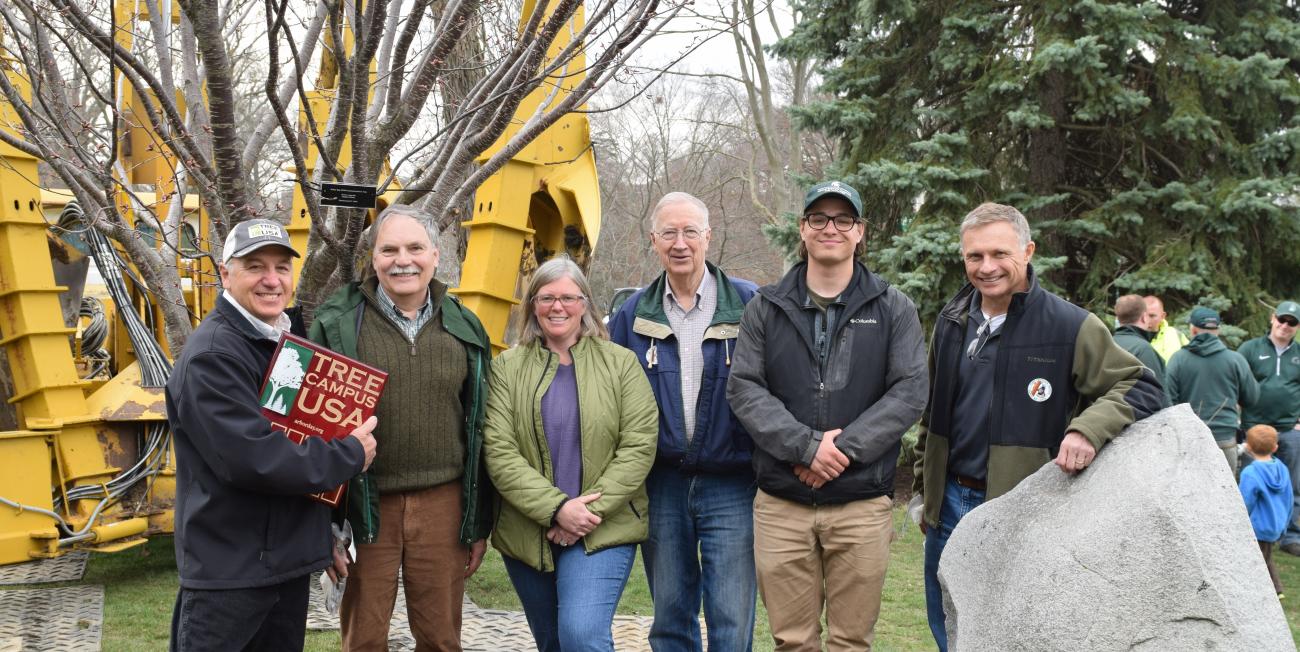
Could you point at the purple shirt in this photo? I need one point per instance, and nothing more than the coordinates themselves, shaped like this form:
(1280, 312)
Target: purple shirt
(563, 426)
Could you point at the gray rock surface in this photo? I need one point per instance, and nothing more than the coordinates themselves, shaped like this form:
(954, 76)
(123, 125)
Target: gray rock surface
(1150, 549)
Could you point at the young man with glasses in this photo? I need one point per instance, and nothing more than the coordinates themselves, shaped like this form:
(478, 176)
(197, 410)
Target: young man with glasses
(683, 328)
(1275, 362)
(828, 374)
(1020, 376)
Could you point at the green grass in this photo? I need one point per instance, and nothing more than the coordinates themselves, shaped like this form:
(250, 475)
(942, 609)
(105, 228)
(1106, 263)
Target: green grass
(140, 588)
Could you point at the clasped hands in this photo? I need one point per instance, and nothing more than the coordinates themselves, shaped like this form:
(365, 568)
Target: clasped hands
(573, 521)
(827, 464)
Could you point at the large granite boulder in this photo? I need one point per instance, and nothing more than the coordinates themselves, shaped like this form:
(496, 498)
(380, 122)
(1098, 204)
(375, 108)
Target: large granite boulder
(1149, 549)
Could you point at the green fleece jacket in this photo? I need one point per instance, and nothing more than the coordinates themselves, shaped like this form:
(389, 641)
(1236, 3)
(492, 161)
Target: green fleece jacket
(1279, 384)
(338, 321)
(1138, 342)
(1214, 381)
(620, 429)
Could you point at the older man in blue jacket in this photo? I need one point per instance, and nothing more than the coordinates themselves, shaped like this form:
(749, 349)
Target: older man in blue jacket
(683, 328)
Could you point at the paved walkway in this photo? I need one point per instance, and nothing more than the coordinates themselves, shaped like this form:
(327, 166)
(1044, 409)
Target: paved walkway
(488, 630)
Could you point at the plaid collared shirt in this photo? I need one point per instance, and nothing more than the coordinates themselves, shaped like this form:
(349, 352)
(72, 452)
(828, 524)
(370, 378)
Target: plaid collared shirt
(410, 327)
(689, 327)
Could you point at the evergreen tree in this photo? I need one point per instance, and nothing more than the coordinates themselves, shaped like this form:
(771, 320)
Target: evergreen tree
(1154, 146)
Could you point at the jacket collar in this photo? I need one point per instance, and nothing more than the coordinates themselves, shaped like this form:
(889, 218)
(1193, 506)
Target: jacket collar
(445, 303)
(1140, 332)
(227, 309)
(580, 350)
(730, 308)
(791, 291)
(959, 306)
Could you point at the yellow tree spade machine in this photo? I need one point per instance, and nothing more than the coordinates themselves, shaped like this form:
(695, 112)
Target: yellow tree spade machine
(88, 464)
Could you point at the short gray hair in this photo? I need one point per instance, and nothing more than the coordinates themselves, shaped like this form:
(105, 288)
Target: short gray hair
(553, 270)
(423, 217)
(990, 213)
(674, 198)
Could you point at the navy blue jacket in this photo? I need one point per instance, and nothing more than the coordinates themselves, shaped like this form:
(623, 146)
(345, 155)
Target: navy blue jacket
(719, 444)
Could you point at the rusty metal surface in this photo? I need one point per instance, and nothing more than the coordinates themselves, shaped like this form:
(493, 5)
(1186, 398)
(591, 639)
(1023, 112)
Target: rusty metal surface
(485, 630)
(69, 618)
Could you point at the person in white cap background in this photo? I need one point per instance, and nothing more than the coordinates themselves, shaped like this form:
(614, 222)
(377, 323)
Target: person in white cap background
(1274, 359)
(247, 536)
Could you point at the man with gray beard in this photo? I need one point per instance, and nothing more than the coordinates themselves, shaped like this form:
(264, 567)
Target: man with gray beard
(425, 507)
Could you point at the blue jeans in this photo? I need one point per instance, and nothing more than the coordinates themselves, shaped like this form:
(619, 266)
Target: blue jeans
(701, 546)
(572, 608)
(957, 502)
(1288, 450)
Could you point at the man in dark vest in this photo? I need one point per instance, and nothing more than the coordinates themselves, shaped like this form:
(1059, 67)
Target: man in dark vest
(1019, 377)
(426, 505)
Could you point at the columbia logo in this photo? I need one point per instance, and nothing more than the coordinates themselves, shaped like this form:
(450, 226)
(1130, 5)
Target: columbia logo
(863, 321)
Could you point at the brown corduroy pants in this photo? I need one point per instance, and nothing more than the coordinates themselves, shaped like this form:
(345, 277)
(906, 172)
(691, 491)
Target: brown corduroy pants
(418, 533)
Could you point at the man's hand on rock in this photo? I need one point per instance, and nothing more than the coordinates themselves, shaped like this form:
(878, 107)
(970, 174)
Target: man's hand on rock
(1076, 453)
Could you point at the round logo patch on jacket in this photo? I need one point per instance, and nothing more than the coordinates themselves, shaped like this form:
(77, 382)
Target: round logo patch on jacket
(1040, 390)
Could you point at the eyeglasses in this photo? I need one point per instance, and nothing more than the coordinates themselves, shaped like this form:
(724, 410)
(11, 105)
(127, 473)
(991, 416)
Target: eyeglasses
(566, 300)
(1289, 321)
(981, 338)
(670, 235)
(818, 221)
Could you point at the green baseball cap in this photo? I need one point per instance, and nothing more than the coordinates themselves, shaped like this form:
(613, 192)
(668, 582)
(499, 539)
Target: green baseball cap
(834, 189)
(1202, 317)
(1290, 308)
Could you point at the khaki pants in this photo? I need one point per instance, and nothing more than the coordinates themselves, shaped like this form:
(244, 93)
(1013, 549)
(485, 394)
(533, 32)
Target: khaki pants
(419, 532)
(1229, 450)
(808, 557)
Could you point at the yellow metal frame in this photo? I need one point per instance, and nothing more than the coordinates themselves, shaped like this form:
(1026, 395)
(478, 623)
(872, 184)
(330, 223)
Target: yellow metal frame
(78, 433)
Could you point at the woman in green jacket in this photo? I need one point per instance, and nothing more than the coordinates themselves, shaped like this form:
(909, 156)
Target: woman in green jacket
(570, 436)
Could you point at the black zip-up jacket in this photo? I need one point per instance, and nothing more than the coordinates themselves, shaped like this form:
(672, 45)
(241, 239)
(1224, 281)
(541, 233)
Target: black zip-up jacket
(242, 516)
(872, 384)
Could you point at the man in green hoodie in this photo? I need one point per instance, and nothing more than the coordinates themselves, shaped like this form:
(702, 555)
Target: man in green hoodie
(1213, 379)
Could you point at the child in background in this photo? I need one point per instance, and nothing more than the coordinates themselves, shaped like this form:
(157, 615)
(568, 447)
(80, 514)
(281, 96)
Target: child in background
(1266, 488)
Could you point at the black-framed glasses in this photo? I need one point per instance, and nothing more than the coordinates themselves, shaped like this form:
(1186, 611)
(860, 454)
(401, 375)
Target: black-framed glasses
(981, 338)
(566, 300)
(1289, 321)
(818, 221)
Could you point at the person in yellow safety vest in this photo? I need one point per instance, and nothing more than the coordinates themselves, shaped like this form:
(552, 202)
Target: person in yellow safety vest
(1167, 339)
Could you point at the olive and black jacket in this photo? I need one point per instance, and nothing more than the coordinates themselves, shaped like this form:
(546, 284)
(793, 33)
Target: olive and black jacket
(872, 384)
(243, 518)
(1057, 369)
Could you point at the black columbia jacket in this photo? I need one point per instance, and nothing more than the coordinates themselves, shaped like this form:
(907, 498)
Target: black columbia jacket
(873, 384)
(242, 516)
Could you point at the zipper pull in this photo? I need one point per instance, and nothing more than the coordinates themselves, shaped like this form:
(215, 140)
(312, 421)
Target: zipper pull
(412, 349)
(652, 355)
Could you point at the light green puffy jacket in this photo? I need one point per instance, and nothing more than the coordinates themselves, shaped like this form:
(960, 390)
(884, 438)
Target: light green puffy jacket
(620, 427)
